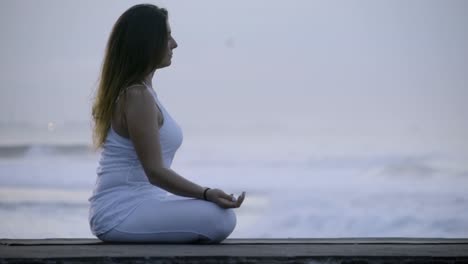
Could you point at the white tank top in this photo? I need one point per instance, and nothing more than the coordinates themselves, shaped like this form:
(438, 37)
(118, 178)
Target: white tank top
(121, 183)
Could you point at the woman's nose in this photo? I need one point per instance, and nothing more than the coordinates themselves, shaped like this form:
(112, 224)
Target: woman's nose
(174, 44)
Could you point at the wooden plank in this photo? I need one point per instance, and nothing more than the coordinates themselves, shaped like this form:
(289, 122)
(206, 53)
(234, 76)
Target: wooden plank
(247, 250)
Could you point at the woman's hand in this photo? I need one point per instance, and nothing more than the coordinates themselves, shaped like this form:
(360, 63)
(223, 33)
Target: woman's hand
(223, 199)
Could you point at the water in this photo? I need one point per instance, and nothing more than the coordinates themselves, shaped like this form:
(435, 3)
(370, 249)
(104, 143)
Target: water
(44, 191)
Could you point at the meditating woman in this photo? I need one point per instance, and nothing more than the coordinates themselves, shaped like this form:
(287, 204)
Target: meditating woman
(137, 196)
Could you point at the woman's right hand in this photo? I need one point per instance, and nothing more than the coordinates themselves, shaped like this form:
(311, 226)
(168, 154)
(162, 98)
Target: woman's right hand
(223, 199)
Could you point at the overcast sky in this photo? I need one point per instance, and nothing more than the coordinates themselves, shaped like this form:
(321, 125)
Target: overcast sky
(395, 66)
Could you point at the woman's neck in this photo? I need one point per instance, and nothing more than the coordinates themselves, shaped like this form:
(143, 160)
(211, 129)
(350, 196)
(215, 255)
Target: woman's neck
(148, 80)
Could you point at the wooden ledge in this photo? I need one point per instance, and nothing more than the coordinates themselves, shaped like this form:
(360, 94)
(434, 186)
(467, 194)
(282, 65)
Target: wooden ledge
(318, 250)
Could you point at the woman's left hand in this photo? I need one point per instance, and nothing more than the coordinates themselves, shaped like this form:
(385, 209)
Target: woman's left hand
(224, 200)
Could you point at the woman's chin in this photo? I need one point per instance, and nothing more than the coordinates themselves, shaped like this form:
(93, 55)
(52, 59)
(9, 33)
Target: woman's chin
(165, 64)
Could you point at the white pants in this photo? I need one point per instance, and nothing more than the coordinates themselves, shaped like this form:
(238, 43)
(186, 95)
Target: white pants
(174, 220)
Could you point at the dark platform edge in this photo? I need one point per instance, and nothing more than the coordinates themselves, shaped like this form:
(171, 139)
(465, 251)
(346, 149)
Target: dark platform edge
(247, 241)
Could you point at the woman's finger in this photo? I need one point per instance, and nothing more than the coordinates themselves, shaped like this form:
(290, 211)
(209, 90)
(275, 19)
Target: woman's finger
(226, 203)
(225, 196)
(240, 199)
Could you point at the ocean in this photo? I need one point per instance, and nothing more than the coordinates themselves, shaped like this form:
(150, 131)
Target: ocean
(290, 193)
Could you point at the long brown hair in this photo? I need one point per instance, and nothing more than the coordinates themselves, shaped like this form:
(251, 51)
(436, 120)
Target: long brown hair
(136, 46)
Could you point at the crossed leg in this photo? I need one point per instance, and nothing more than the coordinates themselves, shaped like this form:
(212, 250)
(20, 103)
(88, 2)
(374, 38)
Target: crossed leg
(174, 220)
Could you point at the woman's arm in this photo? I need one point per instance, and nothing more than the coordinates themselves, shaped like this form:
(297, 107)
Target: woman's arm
(170, 181)
(177, 184)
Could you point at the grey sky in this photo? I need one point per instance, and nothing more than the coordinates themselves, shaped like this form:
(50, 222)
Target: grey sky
(390, 68)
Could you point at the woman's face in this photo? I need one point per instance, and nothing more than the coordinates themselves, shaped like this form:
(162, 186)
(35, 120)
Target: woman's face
(172, 44)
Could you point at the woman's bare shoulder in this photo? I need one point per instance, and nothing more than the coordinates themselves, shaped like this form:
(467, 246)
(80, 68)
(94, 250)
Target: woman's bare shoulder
(135, 89)
(138, 96)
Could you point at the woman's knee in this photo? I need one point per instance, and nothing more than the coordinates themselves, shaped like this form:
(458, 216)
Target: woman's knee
(223, 224)
(231, 221)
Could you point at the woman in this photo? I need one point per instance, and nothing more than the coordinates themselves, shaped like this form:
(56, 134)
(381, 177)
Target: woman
(137, 196)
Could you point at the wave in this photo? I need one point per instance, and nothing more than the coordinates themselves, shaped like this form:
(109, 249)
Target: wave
(34, 150)
(13, 205)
